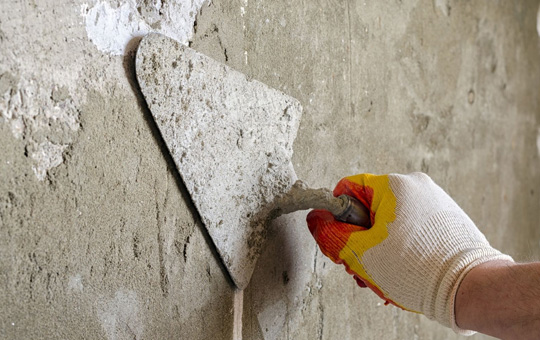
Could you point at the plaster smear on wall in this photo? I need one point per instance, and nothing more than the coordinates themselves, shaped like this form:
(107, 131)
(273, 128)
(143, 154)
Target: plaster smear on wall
(120, 317)
(272, 320)
(111, 25)
(75, 284)
(36, 111)
(47, 156)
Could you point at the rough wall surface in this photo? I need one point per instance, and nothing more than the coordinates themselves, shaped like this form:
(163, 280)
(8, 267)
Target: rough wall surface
(98, 237)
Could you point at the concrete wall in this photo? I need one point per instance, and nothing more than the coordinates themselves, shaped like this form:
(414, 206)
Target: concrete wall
(98, 238)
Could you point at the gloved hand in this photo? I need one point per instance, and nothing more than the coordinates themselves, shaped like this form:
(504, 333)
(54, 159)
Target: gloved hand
(420, 247)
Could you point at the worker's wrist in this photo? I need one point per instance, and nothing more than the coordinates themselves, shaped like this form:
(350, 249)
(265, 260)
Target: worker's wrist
(478, 299)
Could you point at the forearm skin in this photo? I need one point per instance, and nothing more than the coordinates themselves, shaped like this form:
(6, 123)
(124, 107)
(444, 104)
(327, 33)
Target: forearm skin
(501, 299)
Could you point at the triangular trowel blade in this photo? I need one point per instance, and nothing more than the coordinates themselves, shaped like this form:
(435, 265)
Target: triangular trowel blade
(231, 139)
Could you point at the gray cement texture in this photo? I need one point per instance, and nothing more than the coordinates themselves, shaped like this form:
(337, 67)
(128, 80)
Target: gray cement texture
(98, 235)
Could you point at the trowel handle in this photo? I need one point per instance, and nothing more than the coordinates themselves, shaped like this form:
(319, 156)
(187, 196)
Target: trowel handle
(354, 212)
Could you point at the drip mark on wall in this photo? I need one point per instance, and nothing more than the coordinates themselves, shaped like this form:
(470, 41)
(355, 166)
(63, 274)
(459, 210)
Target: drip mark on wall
(538, 141)
(538, 21)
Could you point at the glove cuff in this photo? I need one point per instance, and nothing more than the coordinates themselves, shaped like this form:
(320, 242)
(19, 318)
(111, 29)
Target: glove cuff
(446, 297)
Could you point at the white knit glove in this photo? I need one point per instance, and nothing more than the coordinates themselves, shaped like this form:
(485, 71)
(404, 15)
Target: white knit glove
(420, 247)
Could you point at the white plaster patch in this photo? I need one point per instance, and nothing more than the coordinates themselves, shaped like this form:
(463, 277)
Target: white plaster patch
(272, 320)
(111, 27)
(120, 317)
(47, 156)
(17, 127)
(75, 284)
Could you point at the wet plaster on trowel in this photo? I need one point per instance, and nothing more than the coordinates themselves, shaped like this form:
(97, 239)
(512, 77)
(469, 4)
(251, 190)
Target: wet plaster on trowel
(231, 139)
(302, 197)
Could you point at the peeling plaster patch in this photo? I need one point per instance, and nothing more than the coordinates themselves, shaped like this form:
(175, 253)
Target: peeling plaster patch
(112, 27)
(120, 316)
(272, 320)
(34, 111)
(47, 156)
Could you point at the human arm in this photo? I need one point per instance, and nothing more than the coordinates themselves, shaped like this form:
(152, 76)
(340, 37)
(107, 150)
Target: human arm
(501, 299)
(420, 246)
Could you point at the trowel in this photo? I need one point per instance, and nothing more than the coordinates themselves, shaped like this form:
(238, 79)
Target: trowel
(231, 138)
